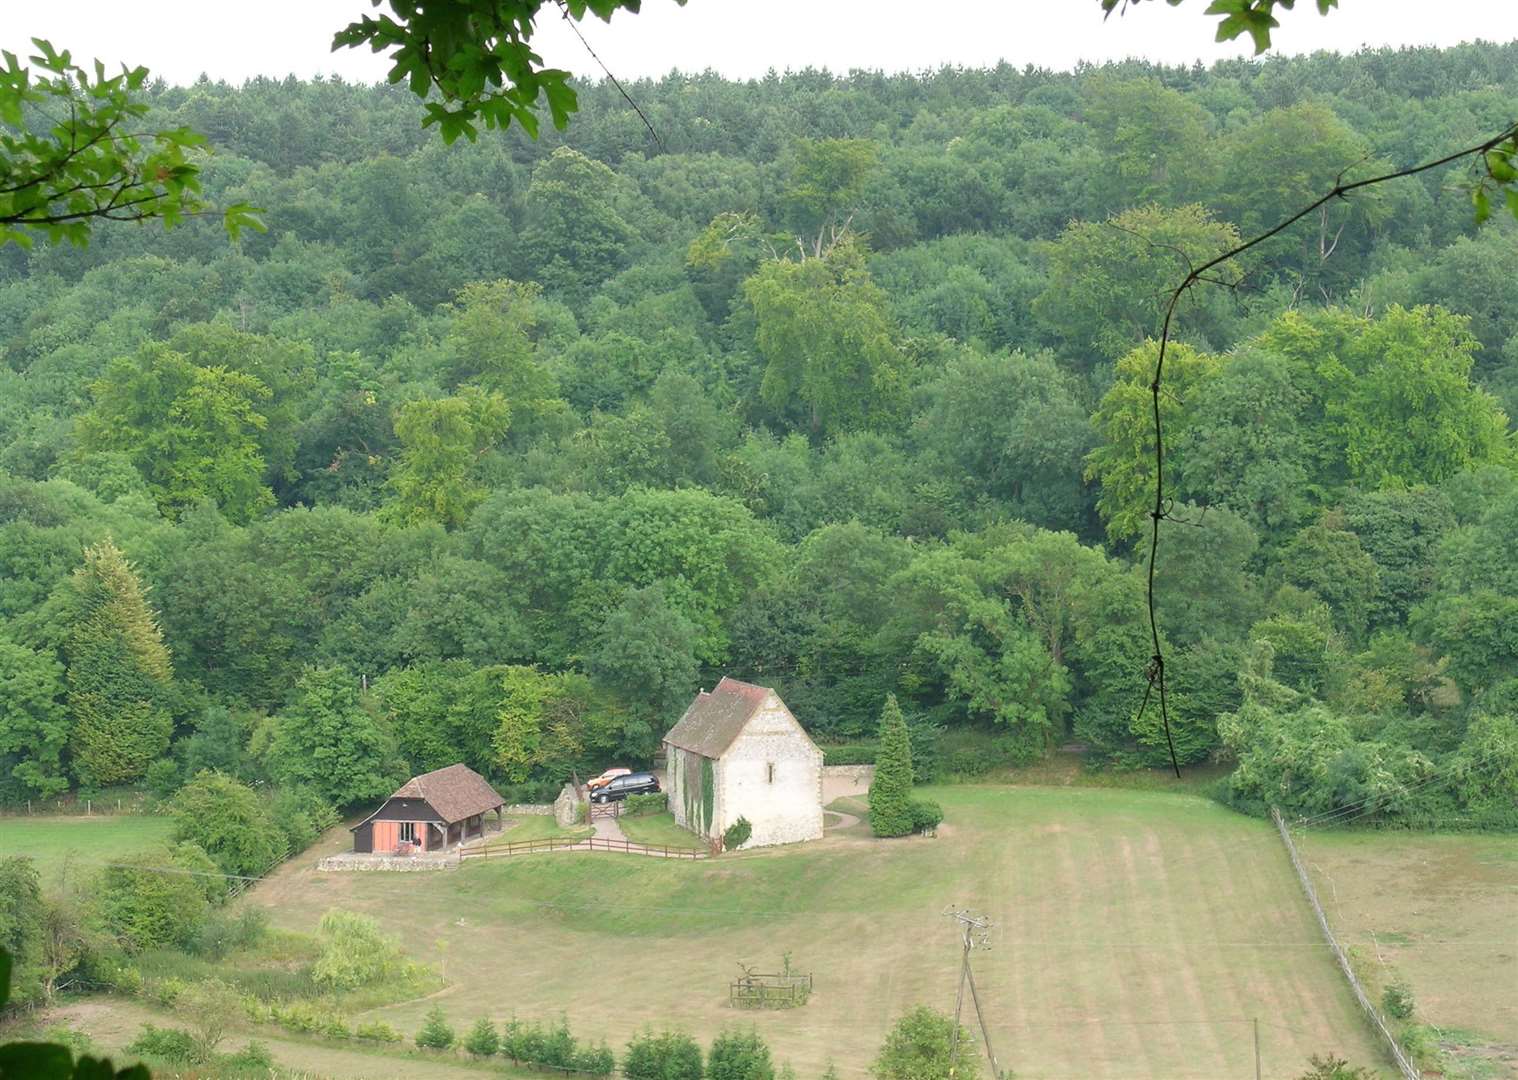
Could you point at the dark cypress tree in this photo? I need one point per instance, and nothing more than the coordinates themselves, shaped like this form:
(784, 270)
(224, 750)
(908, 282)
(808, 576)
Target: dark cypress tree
(891, 790)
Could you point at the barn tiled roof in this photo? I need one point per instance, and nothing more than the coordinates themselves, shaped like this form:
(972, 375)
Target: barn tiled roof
(456, 793)
(714, 720)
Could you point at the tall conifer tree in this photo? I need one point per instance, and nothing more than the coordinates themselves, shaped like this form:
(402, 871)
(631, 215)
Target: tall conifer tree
(119, 671)
(891, 790)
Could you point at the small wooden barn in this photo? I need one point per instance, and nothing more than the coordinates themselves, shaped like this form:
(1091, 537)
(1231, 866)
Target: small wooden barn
(738, 752)
(431, 812)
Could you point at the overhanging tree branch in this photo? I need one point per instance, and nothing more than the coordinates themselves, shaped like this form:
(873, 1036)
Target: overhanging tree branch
(1497, 156)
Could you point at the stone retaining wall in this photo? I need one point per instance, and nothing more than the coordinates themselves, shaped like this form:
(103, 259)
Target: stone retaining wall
(529, 809)
(354, 860)
(851, 774)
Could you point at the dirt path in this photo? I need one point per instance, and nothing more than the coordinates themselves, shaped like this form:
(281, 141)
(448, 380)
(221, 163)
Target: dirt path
(609, 828)
(113, 1023)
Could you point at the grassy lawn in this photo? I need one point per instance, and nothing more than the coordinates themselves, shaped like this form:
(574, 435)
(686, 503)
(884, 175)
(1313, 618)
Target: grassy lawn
(538, 827)
(1439, 912)
(1137, 936)
(659, 830)
(54, 841)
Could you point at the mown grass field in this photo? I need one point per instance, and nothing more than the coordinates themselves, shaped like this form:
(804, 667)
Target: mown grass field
(1138, 935)
(86, 841)
(1441, 914)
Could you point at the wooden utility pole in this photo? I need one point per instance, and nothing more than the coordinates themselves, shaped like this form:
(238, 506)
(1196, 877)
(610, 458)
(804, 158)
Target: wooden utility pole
(976, 930)
(1256, 1048)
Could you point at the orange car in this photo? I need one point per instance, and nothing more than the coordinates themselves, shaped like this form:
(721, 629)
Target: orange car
(606, 777)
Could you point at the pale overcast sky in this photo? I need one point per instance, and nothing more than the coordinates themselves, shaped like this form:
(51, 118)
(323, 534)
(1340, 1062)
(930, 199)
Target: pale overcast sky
(180, 39)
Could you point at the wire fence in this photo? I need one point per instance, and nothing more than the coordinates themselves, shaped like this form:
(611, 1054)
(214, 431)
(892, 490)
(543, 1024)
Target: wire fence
(593, 843)
(1404, 1064)
(71, 806)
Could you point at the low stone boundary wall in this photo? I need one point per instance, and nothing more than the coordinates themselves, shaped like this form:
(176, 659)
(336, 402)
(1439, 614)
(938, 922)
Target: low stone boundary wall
(529, 809)
(354, 860)
(849, 774)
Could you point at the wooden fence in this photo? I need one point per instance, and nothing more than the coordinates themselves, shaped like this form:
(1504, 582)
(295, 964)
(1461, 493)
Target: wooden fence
(611, 810)
(1408, 1069)
(594, 843)
(777, 991)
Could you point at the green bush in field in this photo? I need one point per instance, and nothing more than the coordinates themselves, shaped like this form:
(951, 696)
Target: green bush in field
(1397, 1000)
(354, 953)
(223, 932)
(1331, 1067)
(670, 1055)
(254, 1058)
(891, 790)
(145, 908)
(435, 1033)
(737, 834)
(167, 1044)
(596, 1060)
(926, 815)
(737, 1055)
(558, 1046)
(308, 1018)
(483, 1040)
(922, 1047)
(377, 1031)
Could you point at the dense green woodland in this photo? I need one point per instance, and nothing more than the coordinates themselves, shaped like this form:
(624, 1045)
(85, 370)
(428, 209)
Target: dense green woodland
(499, 451)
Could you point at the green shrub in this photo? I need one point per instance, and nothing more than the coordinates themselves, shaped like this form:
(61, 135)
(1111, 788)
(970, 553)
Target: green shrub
(922, 1047)
(739, 1056)
(162, 778)
(167, 992)
(254, 1057)
(850, 754)
(655, 802)
(737, 834)
(521, 1042)
(354, 953)
(309, 1018)
(435, 1033)
(224, 932)
(166, 1044)
(230, 821)
(302, 815)
(1421, 1043)
(483, 1040)
(596, 1060)
(670, 1055)
(377, 1031)
(1397, 1000)
(891, 790)
(1332, 1067)
(144, 908)
(558, 1046)
(926, 815)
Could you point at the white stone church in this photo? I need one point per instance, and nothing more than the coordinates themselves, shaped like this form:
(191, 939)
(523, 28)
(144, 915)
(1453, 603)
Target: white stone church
(738, 752)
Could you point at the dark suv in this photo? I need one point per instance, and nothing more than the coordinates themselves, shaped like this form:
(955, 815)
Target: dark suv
(638, 783)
